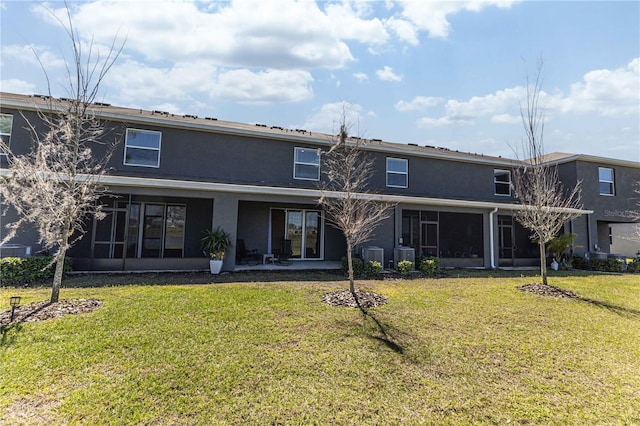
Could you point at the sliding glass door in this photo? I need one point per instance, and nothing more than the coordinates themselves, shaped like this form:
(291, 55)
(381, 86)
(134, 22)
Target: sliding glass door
(302, 227)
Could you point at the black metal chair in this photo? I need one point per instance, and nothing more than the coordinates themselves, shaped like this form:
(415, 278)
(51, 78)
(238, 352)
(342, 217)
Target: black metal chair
(243, 255)
(282, 255)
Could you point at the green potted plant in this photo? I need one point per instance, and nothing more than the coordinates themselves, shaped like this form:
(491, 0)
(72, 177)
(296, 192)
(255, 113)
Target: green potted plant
(559, 248)
(214, 244)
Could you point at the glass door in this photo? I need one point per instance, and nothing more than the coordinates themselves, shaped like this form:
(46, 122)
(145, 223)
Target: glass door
(505, 241)
(294, 232)
(312, 223)
(302, 227)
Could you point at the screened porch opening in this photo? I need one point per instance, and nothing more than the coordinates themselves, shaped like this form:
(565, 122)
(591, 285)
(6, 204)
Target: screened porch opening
(456, 238)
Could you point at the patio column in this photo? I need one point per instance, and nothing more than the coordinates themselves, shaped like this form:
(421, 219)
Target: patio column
(225, 215)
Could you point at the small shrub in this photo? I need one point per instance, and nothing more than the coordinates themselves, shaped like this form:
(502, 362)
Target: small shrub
(605, 265)
(404, 267)
(579, 262)
(429, 265)
(358, 265)
(372, 268)
(600, 265)
(26, 270)
(634, 266)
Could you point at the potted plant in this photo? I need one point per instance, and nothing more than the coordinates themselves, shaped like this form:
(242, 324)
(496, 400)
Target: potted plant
(559, 248)
(214, 244)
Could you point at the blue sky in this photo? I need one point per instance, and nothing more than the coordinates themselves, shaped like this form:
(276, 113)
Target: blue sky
(449, 74)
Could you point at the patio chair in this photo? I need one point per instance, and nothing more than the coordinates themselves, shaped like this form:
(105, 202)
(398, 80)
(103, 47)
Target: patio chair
(243, 255)
(283, 254)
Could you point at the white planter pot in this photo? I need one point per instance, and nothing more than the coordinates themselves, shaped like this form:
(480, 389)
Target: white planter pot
(215, 266)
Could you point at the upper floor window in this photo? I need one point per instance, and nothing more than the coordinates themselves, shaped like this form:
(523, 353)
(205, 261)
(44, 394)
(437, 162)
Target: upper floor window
(397, 172)
(142, 148)
(607, 183)
(6, 122)
(502, 182)
(306, 164)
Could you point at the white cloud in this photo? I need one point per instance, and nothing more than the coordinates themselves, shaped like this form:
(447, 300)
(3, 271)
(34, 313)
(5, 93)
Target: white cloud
(251, 33)
(506, 119)
(134, 82)
(500, 106)
(403, 29)
(29, 54)
(329, 117)
(270, 86)
(496, 103)
(601, 93)
(13, 85)
(387, 74)
(139, 84)
(431, 16)
(168, 107)
(442, 121)
(348, 23)
(607, 92)
(360, 76)
(419, 103)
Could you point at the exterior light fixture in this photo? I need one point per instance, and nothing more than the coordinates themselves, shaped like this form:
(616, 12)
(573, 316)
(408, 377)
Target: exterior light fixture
(14, 301)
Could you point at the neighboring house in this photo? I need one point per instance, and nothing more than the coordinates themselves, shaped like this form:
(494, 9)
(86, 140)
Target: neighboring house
(611, 189)
(175, 176)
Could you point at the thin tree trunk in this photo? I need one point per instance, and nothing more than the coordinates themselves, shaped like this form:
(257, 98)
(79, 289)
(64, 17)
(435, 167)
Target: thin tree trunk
(350, 263)
(543, 263)
(60, 255)
(57, 277)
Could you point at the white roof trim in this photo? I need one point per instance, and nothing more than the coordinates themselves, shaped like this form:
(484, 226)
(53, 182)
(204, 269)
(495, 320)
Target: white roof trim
(594, 159)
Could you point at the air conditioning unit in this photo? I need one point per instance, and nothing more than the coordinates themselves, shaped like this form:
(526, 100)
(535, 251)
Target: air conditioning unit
(373, 253)
(404, 253)
(14, 250)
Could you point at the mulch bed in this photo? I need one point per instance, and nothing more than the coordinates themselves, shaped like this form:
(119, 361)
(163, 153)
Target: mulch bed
(40, 311)
(548, 290)
(346, 298)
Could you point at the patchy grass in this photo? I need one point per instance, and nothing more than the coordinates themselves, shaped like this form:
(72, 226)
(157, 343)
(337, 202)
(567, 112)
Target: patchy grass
(443, 351)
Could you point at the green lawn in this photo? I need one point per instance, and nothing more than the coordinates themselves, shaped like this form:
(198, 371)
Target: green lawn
(468, 350)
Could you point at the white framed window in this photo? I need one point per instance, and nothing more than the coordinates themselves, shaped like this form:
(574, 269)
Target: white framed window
(397, 172)
(502, 182)
(607, 181)
(6, 124)
(306, 164)
(142, 148)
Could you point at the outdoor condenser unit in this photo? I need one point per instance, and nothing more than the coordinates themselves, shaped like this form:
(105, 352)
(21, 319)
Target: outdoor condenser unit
(404, 253)
(373, 253)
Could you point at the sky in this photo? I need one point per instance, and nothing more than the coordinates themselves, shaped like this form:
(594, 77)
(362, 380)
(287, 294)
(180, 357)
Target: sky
(450, 74)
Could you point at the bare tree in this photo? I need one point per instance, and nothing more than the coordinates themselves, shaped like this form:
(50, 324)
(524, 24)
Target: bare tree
(349, 204)
(546, 204)
(57, 184)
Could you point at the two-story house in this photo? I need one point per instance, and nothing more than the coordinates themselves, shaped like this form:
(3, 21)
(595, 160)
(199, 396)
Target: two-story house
(174, 176)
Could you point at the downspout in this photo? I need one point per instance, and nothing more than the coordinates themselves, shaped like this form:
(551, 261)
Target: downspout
(491, 242)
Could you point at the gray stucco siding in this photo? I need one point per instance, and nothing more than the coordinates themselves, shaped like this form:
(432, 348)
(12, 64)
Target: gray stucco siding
(193, 154)
(215, 157)
(612, 208)
(430, 177)
(197, 155)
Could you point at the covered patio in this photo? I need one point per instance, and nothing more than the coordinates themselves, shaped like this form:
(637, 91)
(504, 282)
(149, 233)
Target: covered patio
(293, 265)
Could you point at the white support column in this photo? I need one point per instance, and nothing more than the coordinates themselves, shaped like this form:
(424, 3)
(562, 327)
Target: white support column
(225, 215)
(492, 250)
